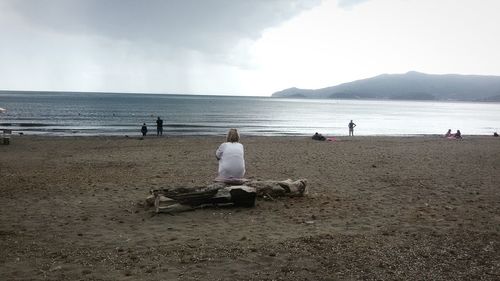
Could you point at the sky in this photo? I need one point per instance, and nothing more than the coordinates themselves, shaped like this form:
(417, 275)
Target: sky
(238, 47)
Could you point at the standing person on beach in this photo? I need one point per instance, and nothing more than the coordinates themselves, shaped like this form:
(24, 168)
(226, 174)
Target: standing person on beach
(351, 128)
(144, 129)
(231, 158)
(159, 126)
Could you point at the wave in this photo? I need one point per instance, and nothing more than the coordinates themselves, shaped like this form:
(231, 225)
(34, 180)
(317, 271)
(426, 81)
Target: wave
(28, 124)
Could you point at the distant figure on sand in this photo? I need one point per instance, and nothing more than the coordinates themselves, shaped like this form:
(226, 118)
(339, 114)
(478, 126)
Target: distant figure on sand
(144, 129)
(448, 134)
(159, 126)
(458, 135)
(319, 137)
(495, 134)
(351, 128)
(231, 158)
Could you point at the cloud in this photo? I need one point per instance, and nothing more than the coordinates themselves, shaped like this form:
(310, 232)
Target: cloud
(349, 3)
(183, 46)
(211, 27)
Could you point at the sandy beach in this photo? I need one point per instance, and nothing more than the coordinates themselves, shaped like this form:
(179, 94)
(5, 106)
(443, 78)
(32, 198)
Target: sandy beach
(378, 208)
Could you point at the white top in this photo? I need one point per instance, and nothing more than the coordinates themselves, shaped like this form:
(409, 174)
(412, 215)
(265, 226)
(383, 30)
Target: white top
(231, 160)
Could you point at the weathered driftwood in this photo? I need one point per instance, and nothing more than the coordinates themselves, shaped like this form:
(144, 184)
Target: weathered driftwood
(182, 198)
(279, 188)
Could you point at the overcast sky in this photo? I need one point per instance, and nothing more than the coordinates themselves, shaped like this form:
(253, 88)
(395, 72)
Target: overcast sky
(233, 47)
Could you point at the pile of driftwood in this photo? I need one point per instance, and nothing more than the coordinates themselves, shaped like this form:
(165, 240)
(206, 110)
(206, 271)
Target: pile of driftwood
(239, 194)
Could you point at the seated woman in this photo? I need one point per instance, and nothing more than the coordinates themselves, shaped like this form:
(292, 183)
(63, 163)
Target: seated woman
(458, 135)
(448, 134)
(231, 159)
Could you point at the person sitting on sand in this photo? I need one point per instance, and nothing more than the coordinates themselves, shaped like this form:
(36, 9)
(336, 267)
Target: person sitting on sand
(230, 155)
(144, 129)
(495, 134)
(458, 135)
(319, 137)
(448, 134)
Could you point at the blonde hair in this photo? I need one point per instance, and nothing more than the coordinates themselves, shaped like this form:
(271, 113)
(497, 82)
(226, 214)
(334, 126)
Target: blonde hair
(233, 135)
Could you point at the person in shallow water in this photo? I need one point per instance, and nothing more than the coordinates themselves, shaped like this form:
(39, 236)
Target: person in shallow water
(230, 155)
(159, 126)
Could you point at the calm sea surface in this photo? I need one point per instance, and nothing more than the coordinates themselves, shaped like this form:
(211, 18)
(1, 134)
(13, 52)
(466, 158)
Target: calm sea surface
(123, 114)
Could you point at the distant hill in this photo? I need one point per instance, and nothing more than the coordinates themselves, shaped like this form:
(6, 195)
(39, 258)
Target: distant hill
(409, 86)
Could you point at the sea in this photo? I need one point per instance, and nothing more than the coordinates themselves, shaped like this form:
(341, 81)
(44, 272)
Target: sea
(122, 114)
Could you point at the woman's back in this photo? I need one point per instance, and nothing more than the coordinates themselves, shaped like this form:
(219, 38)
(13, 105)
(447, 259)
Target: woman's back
(231, 160)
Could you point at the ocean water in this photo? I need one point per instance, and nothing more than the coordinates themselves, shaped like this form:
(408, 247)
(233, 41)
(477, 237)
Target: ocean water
(63, 114)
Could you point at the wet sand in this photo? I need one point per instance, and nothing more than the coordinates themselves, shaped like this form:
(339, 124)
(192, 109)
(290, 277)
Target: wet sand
(378, 208)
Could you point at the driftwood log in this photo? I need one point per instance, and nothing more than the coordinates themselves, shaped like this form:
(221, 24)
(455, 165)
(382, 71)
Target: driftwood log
(238, 194)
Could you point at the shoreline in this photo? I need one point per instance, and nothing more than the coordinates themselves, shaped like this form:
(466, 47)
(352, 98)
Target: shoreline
(24, 135)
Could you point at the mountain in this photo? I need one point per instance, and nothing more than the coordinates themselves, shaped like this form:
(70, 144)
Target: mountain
(408, 86)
